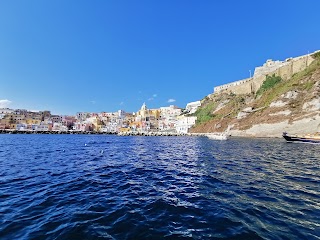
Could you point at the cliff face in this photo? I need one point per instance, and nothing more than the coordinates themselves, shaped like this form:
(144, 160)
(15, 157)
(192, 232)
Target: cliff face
(291, 105)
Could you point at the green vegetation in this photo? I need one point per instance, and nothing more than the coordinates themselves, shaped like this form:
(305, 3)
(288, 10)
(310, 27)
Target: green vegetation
(308, 85)
(292, 84)
(316, 55)
(269, 83)
(272, 88)
(230, 109)
(204, 114)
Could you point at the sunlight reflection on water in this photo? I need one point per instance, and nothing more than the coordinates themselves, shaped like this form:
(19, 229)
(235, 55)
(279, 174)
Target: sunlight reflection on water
(66, 187)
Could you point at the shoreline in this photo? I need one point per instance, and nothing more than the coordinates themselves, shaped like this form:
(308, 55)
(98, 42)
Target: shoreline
(70, 132)
(146, 134)
(8, 131)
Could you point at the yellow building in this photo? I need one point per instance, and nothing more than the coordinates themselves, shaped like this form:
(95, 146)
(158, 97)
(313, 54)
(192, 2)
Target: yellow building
(124, 129)
(32, 121)
(144, 113)
(97, 123)
(155, 113)
(147, 119)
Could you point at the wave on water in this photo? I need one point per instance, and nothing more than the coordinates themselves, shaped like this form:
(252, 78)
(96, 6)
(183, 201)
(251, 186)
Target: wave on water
(110, 187)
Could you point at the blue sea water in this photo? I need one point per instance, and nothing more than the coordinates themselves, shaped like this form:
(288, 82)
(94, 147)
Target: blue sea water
(110, 187)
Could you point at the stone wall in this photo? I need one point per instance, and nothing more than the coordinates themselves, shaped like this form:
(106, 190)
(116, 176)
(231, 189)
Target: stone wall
(242, 85)
(285, 69)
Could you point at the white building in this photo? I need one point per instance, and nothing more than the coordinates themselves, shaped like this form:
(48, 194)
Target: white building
(193, 106)
(79, 126)
(56, 119)
(47, 121)
(59, 127)
(81, 116)
(168, 118)
(43, 127)
(121, 114)
(184, 123)
(170, 111)
(5, 111)
(21, 126)
(110, 127)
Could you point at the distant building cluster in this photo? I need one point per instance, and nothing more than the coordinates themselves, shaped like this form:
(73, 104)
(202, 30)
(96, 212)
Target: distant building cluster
(163, 119)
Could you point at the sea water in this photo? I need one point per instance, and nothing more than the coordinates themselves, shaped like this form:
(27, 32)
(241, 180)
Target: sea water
(110, 187)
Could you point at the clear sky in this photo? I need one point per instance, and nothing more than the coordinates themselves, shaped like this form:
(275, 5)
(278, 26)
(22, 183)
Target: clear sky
(104, 55)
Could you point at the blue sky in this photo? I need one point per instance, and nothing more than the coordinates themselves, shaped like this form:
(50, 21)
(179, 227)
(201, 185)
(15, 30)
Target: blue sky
(106, 55)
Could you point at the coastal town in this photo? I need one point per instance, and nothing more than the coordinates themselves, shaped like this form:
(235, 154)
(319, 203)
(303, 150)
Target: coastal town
(174, 120)
(171, 119)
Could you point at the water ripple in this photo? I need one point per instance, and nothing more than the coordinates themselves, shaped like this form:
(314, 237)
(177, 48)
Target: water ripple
(108, 187)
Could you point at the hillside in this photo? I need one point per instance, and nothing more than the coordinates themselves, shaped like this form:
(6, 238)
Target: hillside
(291, 105)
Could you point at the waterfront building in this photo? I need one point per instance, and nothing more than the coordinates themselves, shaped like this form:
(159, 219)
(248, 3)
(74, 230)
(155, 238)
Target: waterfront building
(185, 123)
(2, 125)
(32, 127)
(68, 121)
(96, 123)
(83, 126)
(59, 127)
(43, 127)
(47, 121)
(142, 117)
(5, 123)
(129, 118)
(111, 117)
(21, 126)
(168, 118)
(143, 113)
(146, 119)
(124, 129)
(110, 127)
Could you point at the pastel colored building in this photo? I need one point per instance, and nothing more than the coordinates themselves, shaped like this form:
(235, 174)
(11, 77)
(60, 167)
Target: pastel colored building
(170, 111)
(21, 126)
(43, 127)
(168, 118)
(82, 116)
(5, 111)
(185, 123)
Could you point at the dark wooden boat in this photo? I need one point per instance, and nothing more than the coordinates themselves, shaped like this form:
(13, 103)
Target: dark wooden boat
(309, 138)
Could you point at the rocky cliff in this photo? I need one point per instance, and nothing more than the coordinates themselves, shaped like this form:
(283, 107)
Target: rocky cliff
(291, 105)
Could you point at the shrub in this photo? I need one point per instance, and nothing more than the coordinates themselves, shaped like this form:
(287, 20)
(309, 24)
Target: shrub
(204, 114)
(316, 55)
(269, 83)
(308, 85)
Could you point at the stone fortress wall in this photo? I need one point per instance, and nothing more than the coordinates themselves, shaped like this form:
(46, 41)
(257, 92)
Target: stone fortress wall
(285, 69)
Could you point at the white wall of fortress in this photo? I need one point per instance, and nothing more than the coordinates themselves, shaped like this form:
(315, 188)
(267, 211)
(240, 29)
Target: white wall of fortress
(285, 69)
(239, 87)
